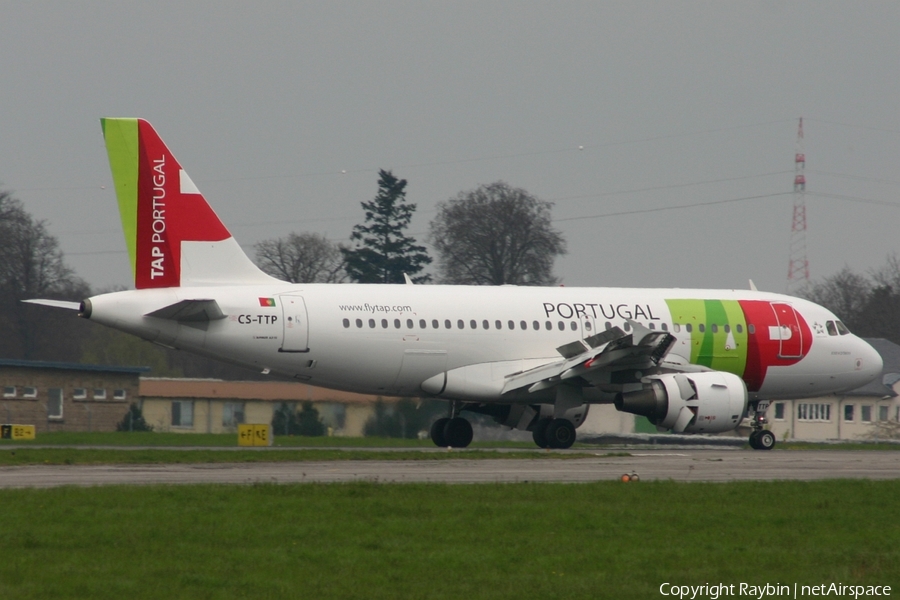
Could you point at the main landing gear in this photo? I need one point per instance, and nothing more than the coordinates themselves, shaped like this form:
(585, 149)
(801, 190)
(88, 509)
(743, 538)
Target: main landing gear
(454, 432)
(554, 433)
(761, 439)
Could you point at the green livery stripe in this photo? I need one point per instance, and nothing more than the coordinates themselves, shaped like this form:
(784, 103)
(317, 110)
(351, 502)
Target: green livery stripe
(711, 345)
(121, 137)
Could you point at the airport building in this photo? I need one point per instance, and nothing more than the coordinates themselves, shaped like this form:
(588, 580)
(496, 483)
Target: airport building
(216, 406)
(57, 396)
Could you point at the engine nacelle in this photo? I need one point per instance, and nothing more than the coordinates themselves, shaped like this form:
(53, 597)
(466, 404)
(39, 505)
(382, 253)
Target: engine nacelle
(708, 402)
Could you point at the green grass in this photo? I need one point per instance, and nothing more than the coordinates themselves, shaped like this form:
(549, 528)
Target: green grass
(599, 540)
(117, 438)
(82, 456)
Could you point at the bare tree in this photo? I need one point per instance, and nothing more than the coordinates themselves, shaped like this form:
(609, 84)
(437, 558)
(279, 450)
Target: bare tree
(32, 266)
(495, 235)
(301, 258)
(845, 293)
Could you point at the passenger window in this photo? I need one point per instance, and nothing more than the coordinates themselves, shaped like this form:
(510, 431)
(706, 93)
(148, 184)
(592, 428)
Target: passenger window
(676, 327)
(498, 324)
(627, 326)
(536, 325)
(384, 323)
(524, 325)
(561, 325)
(714, 327)
(461, 324)
(664, 327)
(372, 323)
(652, 325)
(842, 329)
(447, 324)
(739, 328)
(574, 326)
(727, 328)
(396, 323)
(751, 329)
(346, 322)
(832, 330)
(608, 325)
(512, 324)
(422, 324)
(688, 327)
(548, 325)
(473, 324)
(359, 322)
(485, 324)
(701, 327)
(587, 325)
(409, 323)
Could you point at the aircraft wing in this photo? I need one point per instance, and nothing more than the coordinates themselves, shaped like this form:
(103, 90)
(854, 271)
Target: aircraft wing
(597, 358)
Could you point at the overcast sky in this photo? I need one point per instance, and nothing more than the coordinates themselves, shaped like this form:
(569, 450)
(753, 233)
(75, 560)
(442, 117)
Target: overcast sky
(282, 113)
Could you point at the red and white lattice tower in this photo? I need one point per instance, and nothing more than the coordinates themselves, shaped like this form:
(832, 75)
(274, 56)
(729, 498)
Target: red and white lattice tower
(798, 268)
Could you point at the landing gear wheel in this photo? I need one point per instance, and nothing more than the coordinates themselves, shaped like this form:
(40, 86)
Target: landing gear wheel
(765, 440)
(458, 432)
(437, 432)
(754, 440)
(560, 434)
(539, 433)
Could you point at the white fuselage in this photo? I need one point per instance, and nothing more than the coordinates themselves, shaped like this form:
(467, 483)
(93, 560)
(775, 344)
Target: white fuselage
(388, 339)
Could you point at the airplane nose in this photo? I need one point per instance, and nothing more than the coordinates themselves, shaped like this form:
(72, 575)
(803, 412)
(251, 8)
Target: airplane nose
(869, 362)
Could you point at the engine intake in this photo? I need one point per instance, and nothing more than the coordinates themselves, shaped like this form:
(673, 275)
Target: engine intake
(709, 402)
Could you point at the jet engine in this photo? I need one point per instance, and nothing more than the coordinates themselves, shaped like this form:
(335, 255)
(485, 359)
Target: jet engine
(707, 402)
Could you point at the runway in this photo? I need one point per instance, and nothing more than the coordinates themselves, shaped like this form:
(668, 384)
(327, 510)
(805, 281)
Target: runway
(670, 464)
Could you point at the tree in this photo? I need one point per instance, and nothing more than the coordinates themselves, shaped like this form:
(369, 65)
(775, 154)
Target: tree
(32, 266)
(133, 420)
(301, 258)
(286, 421)
(495, 235)
(845, 294)
(383, 253)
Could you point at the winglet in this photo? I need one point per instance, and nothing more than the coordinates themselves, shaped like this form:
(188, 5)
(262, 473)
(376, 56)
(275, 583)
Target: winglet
(174, 237)
(753, 286)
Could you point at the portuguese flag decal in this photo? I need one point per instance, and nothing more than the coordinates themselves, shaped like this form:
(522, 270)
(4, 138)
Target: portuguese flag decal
(267, 301)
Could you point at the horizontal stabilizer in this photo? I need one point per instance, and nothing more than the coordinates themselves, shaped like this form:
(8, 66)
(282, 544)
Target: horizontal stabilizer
(190, 311)
(56, 303)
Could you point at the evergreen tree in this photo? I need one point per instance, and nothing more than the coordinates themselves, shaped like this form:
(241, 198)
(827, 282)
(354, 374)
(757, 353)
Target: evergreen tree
(383, 253)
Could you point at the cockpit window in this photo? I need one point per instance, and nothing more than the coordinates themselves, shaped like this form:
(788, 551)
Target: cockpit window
(832, 329)
(842, 329)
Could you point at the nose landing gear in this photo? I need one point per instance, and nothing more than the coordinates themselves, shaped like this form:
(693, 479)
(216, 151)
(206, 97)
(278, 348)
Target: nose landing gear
(761, 439)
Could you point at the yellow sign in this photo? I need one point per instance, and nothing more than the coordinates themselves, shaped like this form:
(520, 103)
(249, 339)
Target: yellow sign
(254, 435)
(17, 432)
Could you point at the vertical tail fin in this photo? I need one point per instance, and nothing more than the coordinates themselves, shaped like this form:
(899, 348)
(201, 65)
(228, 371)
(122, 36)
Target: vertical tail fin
(174, 237)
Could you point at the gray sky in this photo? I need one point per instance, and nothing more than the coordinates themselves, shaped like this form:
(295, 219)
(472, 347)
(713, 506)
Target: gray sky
(266, 104)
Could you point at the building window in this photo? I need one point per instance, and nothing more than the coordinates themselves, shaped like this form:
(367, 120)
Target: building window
(119, 394)
(779, 411)
(55, 403)
(848, 412)
(813, 412)
(99, 394)
(232, 414)
(79, 393)
(865, 413)
(182, 413)
(29, 392)
(882, 413)
(9, 391)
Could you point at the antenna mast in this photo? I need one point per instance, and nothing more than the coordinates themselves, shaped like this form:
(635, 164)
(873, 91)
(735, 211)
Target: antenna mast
(798, 267)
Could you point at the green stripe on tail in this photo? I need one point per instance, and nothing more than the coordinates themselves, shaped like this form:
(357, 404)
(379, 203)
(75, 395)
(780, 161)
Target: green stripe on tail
(122, 141)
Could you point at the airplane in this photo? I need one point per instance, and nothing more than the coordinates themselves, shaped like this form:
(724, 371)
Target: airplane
(533, 358)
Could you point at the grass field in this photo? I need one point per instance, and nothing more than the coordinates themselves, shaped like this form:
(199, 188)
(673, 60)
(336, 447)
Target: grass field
(106, 456)
(600, 540)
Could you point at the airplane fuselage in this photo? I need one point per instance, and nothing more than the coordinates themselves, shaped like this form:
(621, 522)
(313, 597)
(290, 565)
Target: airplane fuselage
(389, 339)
